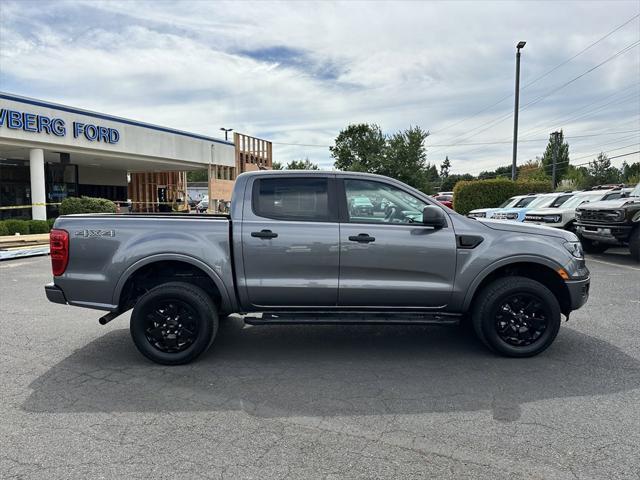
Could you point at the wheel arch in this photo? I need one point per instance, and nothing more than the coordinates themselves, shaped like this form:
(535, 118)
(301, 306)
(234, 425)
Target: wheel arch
(220, 293)
(537, 268)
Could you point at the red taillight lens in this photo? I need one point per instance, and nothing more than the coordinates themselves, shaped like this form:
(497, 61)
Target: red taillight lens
(59, 249)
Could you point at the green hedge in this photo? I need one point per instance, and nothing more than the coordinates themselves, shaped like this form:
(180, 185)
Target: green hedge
(469, 195)
(17, 226)
(72, 205)
(38, 226)
(24, 227)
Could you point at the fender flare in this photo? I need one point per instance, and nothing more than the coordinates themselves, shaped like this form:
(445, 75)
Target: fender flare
(226, 303)
(473, 287)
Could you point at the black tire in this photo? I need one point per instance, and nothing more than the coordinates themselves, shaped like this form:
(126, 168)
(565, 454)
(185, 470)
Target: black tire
(176, 305)
(634, 244)
(589, 246)
(489, 317)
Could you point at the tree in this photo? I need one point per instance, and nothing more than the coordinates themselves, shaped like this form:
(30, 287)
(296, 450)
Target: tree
(630, 173)
(403, 156)
(498, 172)
(406, 159)
(359, 148)
(445, 167)
(449, 182)
(301, 165)
(198, 176)
(562, 159)
(532, 170)
(276, 166)
(601, 171)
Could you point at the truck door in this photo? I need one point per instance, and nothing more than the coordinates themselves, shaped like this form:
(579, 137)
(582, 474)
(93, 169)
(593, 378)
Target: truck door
(387, 257)
(290, 241)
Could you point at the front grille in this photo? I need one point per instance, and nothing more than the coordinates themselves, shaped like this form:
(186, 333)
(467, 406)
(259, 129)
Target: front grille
(598, 216)
(533, 218)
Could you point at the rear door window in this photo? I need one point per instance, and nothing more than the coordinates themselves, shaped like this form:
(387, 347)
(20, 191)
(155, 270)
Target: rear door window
(301, 199)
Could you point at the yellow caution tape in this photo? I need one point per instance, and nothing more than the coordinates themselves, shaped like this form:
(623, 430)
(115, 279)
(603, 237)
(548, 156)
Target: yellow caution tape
(14, 207)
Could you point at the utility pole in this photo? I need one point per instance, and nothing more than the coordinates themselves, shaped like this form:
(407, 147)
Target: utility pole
(556, 138)
(514, 170)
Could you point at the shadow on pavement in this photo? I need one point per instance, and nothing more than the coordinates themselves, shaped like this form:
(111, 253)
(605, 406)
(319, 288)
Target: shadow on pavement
(280, 371)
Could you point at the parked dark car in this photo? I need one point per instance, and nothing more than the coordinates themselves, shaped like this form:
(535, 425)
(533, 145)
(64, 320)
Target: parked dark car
(601, 225)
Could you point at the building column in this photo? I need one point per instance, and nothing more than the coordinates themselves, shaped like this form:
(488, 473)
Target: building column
(38, 196)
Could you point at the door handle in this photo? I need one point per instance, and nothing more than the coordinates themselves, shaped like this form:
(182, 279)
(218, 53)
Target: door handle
(264, 234)
(362, 238)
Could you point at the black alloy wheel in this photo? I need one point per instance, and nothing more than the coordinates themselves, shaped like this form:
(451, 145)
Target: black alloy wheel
(174, 323)
(521, 319)
(171, 326)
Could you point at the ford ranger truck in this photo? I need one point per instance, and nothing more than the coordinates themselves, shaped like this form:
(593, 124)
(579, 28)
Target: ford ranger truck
(609, 223)
(291, 251)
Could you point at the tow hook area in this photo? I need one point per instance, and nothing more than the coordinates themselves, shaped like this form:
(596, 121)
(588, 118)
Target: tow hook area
(108, 317)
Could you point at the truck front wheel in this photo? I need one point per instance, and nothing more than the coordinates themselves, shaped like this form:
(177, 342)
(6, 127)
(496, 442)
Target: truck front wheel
(174, 323)
(516, 316)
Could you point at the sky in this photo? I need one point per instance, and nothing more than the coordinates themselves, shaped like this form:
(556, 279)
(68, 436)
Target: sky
(299, 72)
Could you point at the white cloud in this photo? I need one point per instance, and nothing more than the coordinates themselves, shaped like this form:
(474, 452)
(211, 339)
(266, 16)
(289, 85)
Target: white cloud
(189, 66)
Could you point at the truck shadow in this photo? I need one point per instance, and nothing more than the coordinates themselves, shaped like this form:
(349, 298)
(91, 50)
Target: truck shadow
(332, 371)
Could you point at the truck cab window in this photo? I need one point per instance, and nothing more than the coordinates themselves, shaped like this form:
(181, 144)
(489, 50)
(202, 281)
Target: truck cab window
(376, 202)
(301, 199)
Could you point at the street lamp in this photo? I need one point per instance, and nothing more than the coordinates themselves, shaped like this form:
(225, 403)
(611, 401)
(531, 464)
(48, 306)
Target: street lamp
(226, 132)
(520, 45)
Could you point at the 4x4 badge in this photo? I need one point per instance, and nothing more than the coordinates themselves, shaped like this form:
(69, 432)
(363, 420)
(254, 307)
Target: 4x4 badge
(96, 233)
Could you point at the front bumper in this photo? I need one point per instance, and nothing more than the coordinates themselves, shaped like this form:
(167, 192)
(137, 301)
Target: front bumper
(578, 292)
(607, 234)
(55, 293)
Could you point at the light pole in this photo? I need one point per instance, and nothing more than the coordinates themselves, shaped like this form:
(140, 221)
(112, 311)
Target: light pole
(226, 132)
(520, 45)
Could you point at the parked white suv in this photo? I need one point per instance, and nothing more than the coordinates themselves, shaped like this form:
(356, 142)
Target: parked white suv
(564, 216)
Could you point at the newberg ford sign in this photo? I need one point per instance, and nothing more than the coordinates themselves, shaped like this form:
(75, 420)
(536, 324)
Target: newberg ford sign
(31, 122)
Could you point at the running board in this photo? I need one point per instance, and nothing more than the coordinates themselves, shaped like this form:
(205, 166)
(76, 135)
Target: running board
(351, 318)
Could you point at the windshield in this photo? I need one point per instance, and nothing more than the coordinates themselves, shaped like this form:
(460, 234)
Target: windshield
(578, 199)
(509, 203)
(542, 201)
(523, 202)
(635, 192)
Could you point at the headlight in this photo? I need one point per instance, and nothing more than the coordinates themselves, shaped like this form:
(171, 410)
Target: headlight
(619, 215)
(478, 215)
(552, 218)
(574, 248)
(512, 216)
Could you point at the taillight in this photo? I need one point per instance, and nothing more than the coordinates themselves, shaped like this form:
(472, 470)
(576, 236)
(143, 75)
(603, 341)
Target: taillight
(59, 249)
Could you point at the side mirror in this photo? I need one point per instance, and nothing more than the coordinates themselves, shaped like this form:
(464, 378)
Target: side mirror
(433, 216)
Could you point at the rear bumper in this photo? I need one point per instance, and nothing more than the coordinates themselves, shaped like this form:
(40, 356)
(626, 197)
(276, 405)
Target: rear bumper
(578, 292)
(55, 293)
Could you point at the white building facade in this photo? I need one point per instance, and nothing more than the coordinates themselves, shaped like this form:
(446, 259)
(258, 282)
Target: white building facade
(50, 151)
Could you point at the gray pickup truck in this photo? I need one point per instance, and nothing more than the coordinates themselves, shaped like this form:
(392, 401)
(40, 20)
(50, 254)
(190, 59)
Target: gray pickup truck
(294, 250)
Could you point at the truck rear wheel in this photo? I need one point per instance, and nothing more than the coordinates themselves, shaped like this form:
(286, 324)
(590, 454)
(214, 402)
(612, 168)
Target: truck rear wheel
(174, 323)
(516, 317)
(634, 244)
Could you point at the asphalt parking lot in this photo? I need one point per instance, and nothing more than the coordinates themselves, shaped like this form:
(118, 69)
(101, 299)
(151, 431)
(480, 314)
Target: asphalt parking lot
(78, 401)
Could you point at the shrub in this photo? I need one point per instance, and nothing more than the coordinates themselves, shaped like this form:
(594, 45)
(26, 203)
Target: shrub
(17, 226)
(472, 194)
(3, 229)
(38, 226)
(72, 205)
(51, 221)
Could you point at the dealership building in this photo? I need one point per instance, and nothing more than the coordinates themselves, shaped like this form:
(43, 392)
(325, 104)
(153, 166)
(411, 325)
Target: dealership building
(50, 151)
